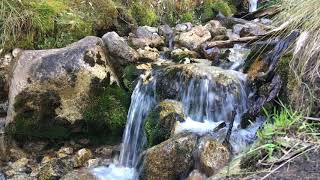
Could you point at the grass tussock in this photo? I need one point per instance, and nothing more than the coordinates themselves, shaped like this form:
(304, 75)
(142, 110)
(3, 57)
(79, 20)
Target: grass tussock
(304, 15)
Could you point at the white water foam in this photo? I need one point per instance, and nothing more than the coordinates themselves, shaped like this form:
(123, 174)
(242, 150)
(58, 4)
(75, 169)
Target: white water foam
(200, 128)
(114, 172)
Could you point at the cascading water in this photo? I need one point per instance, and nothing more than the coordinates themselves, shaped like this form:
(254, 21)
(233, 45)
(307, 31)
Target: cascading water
(253, 5)
(209, 95)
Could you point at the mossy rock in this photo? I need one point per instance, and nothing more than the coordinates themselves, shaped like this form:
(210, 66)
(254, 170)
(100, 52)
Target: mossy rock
(160, 122)
(211, 8)
(36, 117)
(130, 76)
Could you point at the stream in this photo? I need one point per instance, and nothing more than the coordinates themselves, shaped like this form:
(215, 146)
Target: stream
(210, 96)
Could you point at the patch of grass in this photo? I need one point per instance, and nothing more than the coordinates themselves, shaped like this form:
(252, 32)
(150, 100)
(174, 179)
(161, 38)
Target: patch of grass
(211, 8)
(284, 134)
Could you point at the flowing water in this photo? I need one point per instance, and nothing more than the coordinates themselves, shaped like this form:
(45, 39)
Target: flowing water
(253, 5)
(210, 96)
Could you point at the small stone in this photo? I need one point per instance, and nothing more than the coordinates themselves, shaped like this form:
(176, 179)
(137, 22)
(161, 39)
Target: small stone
(82, 156)
(196, 175)
(91, 163)
(194, 38)
(64, 152)
(47, 159)
(149, 54)
(21, 163)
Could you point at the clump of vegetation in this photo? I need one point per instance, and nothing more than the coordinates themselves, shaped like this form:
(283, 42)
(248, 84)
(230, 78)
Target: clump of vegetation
(284, 135)
(39, 24)
(212, 7)
(305, 64)
(107, 114)
(144, 13)
(130, 74)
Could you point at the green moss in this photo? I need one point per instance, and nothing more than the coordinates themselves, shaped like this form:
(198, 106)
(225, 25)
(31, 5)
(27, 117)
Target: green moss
(106, 115)
(160, 122)
(130, 74)
(144, 14)
(212, 7)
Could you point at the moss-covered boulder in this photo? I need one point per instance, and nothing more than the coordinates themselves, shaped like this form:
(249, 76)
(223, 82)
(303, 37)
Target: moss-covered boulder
(159, 124)
(171, 159)
(51, 89)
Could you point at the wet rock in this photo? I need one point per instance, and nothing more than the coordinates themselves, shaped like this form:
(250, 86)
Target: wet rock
(169, 160)
(159, 124)
(79, 175)
(55, 169)
(179, 54)
(194, 38)
(147, 36)
(118, 47)
(215, 28)
(50, 88)
(21, 163)
(183, 27)
(149, 54)
(81, 157)
(212, 54)
(196, 175)
(64, 152)
(171, 81)
(213, 156)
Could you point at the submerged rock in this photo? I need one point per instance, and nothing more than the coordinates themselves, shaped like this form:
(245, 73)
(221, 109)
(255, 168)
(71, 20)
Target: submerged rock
(194, 38)
(171, 159)
(50, 88)
(118, 47)
(159, 124)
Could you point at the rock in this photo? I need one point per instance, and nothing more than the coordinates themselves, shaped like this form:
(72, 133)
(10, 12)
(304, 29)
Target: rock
(107, 151)
(179, 54)
(46, 159)
(167, 32)
(248, 29)
(91, 163)
(194, 38)
(149, 54)
(215, 28)
(81, 157)
(183, 27)
(159, 124)
(55, 169)
(147, 36)
(21, 163)
(213, 156)
(196, 175)
(50, 88)
(64, 152)
(79, 175)
(118, 47)
(17, 153)
(212, 54)
(169, 160)
(171, 80)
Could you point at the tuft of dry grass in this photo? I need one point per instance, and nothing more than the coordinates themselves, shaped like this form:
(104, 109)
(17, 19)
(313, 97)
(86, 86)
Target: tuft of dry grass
(304, 15)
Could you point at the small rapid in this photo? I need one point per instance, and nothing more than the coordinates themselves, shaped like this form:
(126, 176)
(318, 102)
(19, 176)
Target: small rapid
(210, 96)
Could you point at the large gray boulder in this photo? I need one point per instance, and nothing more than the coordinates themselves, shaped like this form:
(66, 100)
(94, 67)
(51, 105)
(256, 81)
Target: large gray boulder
(55, 84)
(118, 47)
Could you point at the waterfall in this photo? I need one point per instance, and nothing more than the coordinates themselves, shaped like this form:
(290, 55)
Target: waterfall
(209, 96)
(143, 99)
(253, 5)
